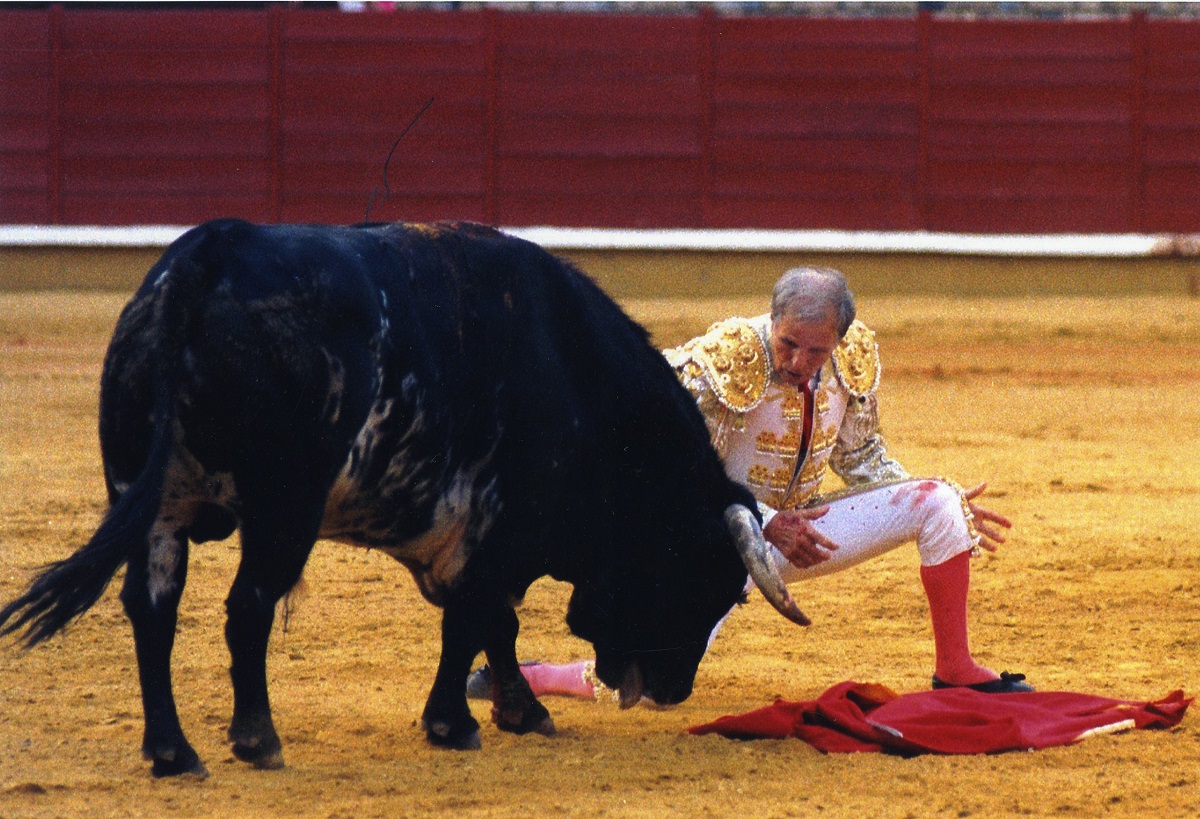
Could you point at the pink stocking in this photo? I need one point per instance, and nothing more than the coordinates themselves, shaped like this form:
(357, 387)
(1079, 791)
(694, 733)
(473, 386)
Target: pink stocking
(568, 680)
(946, 586)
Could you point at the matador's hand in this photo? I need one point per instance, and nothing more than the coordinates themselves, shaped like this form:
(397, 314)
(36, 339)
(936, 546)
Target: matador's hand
(793, 534)
(991, 537)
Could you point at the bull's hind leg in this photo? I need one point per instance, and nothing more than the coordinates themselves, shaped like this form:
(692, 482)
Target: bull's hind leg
(274, 550)
(154, 583)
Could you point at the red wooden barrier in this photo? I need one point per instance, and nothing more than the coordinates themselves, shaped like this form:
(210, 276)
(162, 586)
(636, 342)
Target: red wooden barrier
(351, 83)
(26, 90)
(631, 120)
(815, 124)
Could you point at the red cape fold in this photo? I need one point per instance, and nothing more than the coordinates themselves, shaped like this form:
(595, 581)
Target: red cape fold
(854, 716)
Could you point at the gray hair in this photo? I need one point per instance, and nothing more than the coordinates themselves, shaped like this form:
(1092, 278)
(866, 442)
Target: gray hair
(809, 293)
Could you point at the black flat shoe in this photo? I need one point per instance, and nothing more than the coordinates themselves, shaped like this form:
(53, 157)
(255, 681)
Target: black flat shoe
(479, 681)
(1007, 684)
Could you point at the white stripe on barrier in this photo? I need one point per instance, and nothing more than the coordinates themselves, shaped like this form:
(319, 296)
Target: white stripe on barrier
(810, 241)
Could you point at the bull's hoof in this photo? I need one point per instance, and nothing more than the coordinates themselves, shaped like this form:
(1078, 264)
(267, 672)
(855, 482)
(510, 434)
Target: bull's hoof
(264, 753)
(534, 720)
(181, 761)
(444, 735)
(255, 741)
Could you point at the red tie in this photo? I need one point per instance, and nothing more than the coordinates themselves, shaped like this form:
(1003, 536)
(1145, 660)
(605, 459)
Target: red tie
(806, 435)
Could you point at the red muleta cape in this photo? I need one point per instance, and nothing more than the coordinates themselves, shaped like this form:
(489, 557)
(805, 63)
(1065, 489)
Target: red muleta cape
(854, 716)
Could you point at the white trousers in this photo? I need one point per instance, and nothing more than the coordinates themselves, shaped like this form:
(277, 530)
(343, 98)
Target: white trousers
(869, 523)
(872, 522)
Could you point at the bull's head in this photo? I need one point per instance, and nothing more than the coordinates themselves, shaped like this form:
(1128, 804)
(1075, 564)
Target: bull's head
(650, 624)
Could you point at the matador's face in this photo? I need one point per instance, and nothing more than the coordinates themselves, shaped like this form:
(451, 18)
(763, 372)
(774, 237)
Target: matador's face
(799, 349)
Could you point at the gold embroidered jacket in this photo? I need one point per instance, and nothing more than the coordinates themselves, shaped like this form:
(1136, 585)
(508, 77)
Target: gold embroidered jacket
(757, 421)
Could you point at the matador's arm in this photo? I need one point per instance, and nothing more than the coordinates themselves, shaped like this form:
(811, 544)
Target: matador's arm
(860, 455)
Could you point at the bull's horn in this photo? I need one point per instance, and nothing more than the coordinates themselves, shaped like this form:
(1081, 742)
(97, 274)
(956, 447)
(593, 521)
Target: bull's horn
(756, 554)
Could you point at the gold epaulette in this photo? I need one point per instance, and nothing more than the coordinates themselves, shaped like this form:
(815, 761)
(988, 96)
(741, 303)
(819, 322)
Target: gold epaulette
(734, 362)
(856, 361)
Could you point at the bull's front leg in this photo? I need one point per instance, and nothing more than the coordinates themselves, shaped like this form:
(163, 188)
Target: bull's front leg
(469, 626)
(515, 708)
(448, 721)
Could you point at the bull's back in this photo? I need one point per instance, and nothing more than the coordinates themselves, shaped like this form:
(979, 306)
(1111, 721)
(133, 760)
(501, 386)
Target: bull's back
(427, 383)
(261, 337)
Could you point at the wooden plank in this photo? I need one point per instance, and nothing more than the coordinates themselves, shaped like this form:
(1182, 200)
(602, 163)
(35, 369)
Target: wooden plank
(187, 103)
(1167, 39)
(420, 145)
(658, 97)
(590, 176)
(521, 64)
(882, 153)
(403, 26)
(1176, 183)
(586, 34)
(610, 136)
(155, 208)
(404, 178)
(26, 43)
(844, 121)
(1024, 72)
(837, 61)
(374, 125)
(1170, 216)
(23, 206)
(1029, 105)
(795, 213)
(807, 122)
(166, 65)
(116, 138)
(373, 58)
(1001, 141)
(1061, 180)
(1173, 110)
(775, 92)
(1032, 39)
(1023, 215)
(399, 97)
(25, 95)
(25, 30)
(24, 132)
(338, 207)
(131, 175)
(768, 31)
(24, 171)
(835, 183)
(610, 210)
(85, 29)
(1172, 146)
(1173, 76)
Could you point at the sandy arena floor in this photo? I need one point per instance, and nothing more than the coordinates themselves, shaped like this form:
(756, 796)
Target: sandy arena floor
(1082, 414)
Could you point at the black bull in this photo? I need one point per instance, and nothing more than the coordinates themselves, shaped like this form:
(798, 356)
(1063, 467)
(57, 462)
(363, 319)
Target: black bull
(458, 398)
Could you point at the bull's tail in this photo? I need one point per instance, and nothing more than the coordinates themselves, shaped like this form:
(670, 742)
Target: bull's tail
(67, 588)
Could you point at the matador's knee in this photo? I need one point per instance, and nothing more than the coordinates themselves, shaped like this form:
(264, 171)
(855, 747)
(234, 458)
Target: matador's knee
(947, 529)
